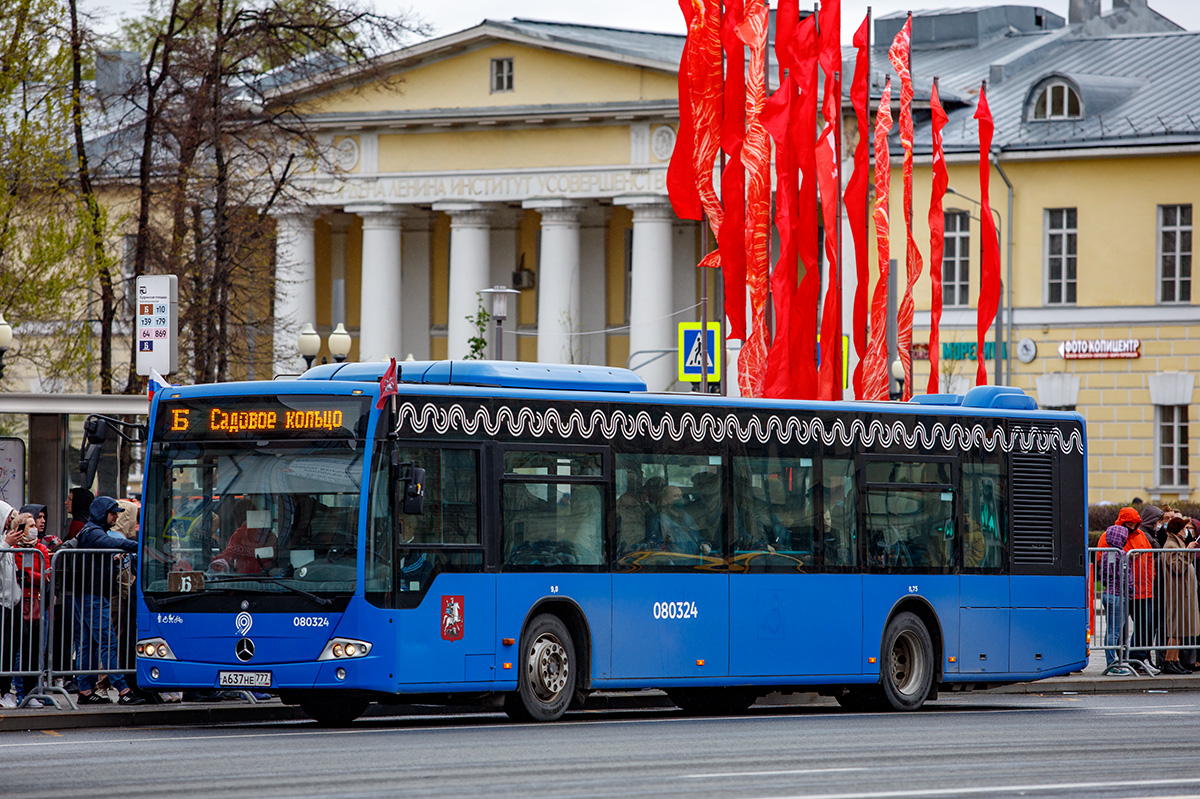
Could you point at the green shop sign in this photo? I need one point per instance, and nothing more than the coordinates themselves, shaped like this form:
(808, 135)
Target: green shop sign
(970, 352)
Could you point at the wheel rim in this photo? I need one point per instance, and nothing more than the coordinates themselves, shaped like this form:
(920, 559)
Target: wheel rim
(907, 663)
(549, 667)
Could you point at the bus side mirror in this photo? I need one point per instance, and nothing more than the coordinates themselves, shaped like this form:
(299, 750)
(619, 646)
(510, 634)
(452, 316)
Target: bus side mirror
(94, 433)
(413, 502)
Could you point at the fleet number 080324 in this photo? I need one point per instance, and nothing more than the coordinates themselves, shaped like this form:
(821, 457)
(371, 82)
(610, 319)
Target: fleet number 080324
(675, 610)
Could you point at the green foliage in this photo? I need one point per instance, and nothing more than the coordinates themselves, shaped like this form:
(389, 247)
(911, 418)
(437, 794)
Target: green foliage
(478, 342)
(46, 278)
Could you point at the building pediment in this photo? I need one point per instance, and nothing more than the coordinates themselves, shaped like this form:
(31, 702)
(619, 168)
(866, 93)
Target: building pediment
(458, 73)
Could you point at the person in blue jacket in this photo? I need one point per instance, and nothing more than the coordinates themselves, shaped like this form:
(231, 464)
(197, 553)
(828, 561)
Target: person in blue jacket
(99, 648)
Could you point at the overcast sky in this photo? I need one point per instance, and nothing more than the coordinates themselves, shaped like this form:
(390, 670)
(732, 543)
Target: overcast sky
(448, 16)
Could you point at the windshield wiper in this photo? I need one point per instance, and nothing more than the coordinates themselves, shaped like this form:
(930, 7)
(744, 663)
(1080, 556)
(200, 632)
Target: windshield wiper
(263, 578)
(171, 600)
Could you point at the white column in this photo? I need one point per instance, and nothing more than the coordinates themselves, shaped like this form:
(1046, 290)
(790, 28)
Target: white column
(651, 326)
(593, 271)
(339, 224)
(379, 314)
(558, 286)
(295, 287)
(416, 269)
(470, 268)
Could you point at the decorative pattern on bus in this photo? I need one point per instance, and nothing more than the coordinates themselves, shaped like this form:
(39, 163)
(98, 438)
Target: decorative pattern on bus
(706, 426)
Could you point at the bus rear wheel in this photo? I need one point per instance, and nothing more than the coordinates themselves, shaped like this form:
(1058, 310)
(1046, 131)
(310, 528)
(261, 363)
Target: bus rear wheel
(333, 710)
(546, 682)
(908, 665)
(712, 701)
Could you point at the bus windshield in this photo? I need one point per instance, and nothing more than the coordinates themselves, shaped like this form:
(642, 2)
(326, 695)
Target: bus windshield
(267, 518)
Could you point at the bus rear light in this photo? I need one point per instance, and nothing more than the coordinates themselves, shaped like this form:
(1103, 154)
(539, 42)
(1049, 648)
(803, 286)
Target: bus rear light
(155, 648)
(343, 648)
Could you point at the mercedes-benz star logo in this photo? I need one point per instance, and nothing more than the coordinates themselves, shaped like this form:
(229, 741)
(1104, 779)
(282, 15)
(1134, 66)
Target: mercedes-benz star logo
(244, 649)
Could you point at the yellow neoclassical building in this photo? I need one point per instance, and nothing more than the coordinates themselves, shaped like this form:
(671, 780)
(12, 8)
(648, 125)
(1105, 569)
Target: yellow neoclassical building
(1096, 136)
(525, 154)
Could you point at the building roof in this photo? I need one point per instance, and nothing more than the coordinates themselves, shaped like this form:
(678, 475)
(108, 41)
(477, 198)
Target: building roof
(1134, 89)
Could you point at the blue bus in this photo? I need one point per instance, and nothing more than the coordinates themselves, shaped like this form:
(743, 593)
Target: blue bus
(521, 535)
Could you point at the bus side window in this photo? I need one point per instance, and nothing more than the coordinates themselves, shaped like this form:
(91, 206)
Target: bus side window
(841, 516)
(984, 515)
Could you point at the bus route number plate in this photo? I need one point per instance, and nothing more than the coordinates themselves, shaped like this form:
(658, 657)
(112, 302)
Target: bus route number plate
(185, 582)
(244, 679)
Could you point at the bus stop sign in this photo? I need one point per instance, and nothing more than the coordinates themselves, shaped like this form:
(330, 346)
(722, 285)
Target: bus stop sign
(690, 364)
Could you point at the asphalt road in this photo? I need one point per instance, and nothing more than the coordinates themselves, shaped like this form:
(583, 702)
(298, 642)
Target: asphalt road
(1100, 747)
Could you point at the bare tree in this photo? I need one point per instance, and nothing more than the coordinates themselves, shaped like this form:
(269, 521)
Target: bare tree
(219, 152)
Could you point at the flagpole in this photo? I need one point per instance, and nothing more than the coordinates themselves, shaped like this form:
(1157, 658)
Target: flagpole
(703, 306)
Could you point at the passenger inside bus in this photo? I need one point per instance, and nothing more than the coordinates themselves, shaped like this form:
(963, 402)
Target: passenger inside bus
(707, 510)
(631, 513)
(251, 548)
(669, 527)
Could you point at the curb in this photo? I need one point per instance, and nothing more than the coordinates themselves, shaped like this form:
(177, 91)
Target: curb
(273, 710)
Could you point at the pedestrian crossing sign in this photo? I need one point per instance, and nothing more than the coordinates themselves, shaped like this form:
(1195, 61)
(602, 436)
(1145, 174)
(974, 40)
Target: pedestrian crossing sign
(690, 362)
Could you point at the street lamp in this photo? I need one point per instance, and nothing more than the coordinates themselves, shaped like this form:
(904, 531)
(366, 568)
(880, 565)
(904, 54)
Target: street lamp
(499, 295)
(339, 343)
(6, 338)
(898, 373)
(309, 343)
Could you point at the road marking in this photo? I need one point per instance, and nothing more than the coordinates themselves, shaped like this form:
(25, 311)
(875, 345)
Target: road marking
(1030, 788)
(51, 732)
(767, 773)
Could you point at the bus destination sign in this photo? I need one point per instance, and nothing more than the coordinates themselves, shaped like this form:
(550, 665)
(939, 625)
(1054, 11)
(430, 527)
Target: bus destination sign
(283, 417)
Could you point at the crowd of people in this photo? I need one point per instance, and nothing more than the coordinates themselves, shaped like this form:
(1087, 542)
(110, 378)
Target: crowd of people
(1151, 600)
(90, 606)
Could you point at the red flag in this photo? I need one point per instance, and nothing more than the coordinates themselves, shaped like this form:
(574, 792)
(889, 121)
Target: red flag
(803, 134)
(780, 117)
(681, 172)
(875, 373)
(387, 385)
(704, 50)
(937, 233)
(756, 155)
(731, 235)
(856, 197)
(989, 272)
(900, 54)
(829, 179)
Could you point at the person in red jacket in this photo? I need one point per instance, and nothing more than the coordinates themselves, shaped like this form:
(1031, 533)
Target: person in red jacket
(32, 568)
(1142, 606)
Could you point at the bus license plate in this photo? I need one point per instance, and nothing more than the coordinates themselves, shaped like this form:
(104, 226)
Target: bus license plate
(244, 679)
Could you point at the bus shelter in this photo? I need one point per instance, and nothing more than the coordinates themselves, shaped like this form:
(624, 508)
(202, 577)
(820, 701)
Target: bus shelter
(51, 458)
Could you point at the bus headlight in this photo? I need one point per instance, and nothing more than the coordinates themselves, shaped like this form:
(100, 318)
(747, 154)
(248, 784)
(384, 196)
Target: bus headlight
(155, 648)
(343, 648)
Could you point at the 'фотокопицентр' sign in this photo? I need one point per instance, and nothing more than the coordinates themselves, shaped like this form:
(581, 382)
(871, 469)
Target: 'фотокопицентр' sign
(1100, 348)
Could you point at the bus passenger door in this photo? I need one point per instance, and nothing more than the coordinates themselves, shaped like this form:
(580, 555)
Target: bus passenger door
(670, 585)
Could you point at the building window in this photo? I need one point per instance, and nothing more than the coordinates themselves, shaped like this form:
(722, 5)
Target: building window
(1060, 256)
(502, 74)
(956, 258)
(1057, 101)
(1175, 252)
(1172, 446)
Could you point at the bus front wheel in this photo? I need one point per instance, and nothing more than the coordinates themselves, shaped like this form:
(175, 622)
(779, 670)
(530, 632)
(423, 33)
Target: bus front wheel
(546, 682)
(908, 666)
(332, 709)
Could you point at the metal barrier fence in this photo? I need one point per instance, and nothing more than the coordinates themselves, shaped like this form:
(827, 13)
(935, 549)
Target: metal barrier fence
(1146, 608)
(75, 620)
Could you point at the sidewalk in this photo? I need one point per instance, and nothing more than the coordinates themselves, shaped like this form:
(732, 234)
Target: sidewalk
(1091, 680)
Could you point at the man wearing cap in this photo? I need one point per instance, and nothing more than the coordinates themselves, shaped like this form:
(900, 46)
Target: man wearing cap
(1141, 608)
(92, 601)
